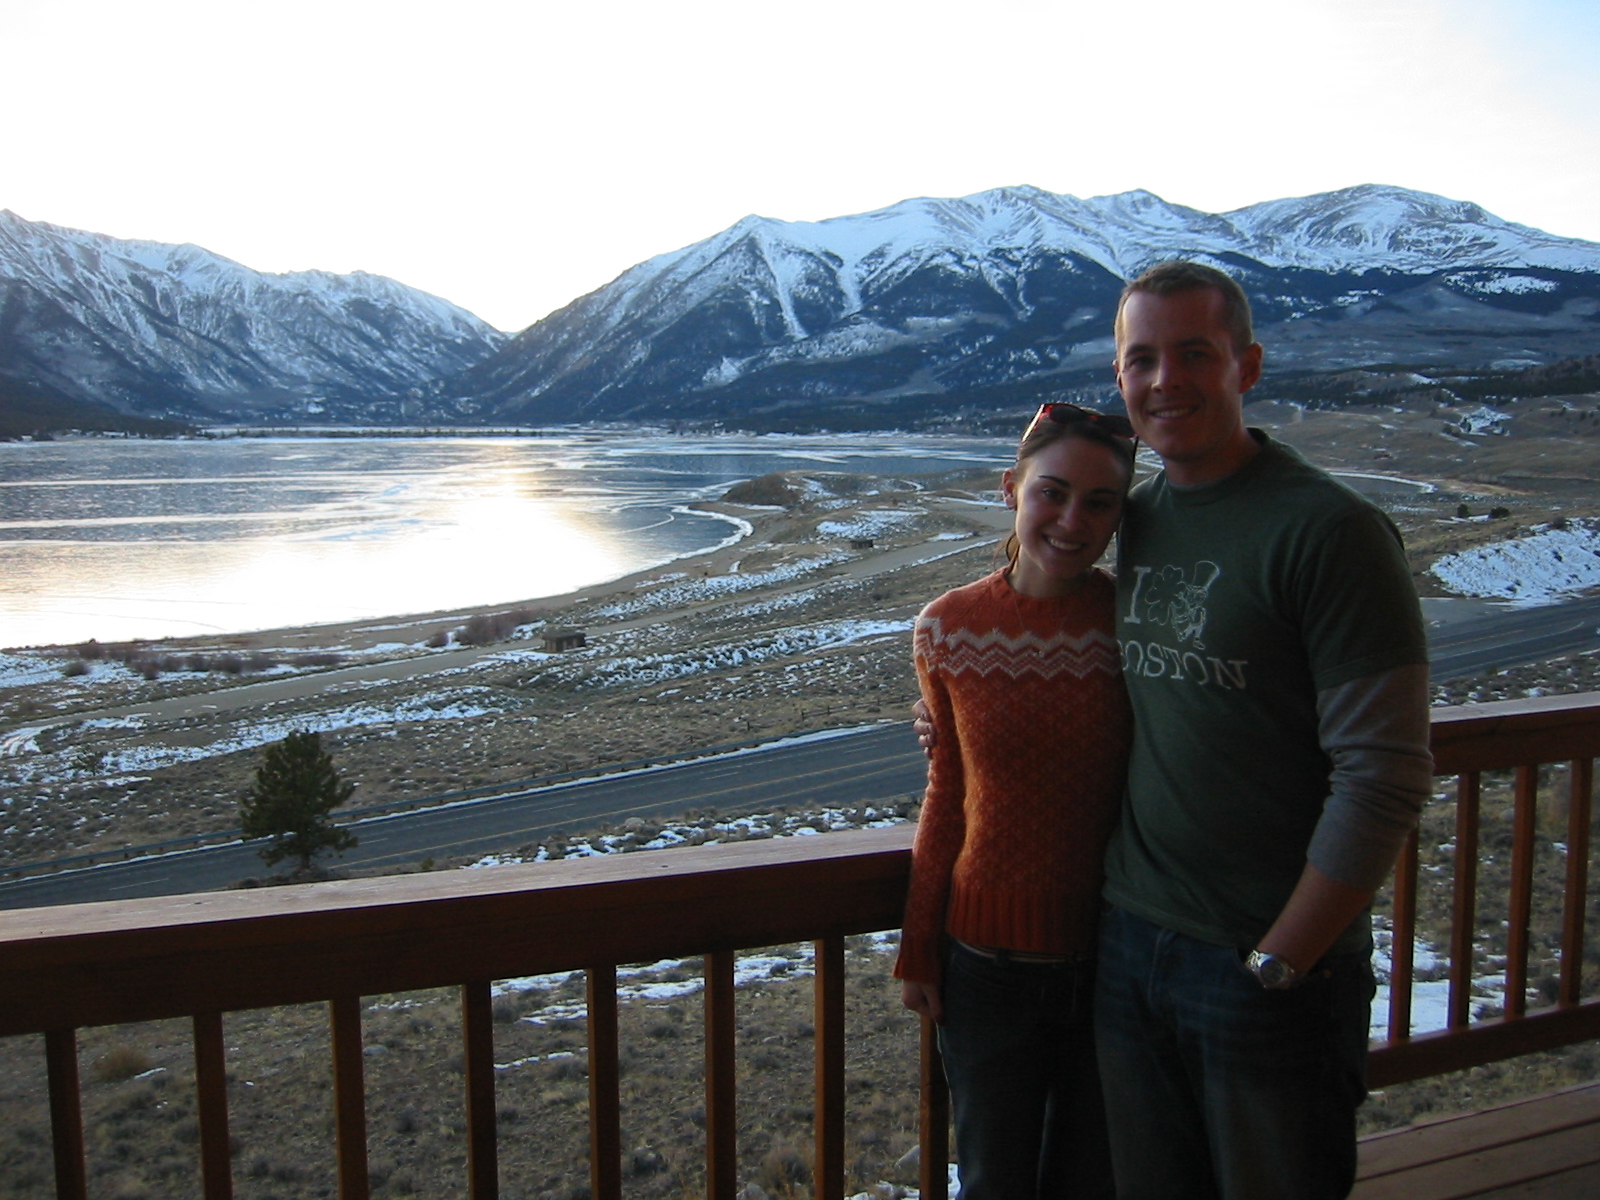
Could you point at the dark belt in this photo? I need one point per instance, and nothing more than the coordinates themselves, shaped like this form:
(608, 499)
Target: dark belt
(1003, 956)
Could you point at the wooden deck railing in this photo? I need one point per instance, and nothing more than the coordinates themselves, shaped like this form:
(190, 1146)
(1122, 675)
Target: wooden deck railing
(200, 955)
(1521, 737)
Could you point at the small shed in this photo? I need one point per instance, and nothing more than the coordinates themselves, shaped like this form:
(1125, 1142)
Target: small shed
(861, 543)
(557, 640)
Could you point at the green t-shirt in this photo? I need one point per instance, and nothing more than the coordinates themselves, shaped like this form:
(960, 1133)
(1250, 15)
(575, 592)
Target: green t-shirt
(1237, 602)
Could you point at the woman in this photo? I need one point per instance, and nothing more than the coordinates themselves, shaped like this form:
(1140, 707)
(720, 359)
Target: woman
(1021, 679)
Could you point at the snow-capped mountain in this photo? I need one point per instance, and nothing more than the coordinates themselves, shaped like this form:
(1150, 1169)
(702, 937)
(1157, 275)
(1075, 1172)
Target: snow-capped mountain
(916, 313)
(164, 330)
(1008, 294)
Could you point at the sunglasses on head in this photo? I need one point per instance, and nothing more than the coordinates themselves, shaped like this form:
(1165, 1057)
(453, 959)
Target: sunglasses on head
(1063, 413)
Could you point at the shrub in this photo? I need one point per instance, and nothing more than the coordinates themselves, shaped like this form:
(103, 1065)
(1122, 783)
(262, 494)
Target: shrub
(119, 1063)
(76, 667)
(91, 651)
(485, 628)
(439, 640)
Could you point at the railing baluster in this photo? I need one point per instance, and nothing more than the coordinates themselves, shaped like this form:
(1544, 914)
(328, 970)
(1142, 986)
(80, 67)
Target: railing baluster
(66, 1113)
(722, 1146)
(1402, 944)
(1464, 904)
(349, 1097)
(1523, 825)
(477, 1051)
(1575, 903)
(211, 1098)
(934, 1118)
(828, 1169)
(605, 1092)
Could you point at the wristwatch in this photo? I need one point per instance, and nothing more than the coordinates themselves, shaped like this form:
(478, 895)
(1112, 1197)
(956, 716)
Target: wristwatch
(1272, 971)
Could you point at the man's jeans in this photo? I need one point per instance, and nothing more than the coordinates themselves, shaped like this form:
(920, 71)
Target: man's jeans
(1218, 1089)
(1018, 1045)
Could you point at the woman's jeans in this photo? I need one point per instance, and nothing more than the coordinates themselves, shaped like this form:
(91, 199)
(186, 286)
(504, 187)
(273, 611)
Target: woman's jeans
(1018, 1045)
(1218, 1089)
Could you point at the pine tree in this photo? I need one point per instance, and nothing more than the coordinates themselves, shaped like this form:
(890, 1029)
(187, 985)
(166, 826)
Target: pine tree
(296, 788)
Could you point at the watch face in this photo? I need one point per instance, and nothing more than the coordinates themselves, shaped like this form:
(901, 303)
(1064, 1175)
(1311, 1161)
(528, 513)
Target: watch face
(1274, 972)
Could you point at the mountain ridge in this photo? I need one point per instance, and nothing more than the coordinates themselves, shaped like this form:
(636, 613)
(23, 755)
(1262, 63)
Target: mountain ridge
(913, 313)
(1011, 287)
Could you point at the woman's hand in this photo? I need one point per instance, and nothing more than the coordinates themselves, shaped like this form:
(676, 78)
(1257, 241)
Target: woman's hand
(922, 998)
(923, 724)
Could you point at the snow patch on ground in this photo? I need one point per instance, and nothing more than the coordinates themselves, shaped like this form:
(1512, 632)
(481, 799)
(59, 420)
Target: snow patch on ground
(1481, 420)
(1430, 997)
(870, 524)
(18, 671)
(584, 673)
(645, 835)
(715, 587)
(62, 766)
(1544, 567)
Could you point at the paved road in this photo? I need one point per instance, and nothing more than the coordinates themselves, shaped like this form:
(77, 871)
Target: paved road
(1511, 638)
(877, 763)
(880, 762)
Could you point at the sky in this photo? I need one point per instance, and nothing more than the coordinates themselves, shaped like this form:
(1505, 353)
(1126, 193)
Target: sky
(511, 157)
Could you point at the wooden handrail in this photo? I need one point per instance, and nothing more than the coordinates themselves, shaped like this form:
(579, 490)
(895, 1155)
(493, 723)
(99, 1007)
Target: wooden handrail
(1504, 734)
(200, 956)
(120, 961)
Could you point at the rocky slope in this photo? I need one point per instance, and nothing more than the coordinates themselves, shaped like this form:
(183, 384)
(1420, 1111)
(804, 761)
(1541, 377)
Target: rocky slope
(930, 307)
(176, 331)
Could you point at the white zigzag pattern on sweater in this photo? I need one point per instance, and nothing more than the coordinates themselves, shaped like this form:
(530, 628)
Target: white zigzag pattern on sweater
(995, 652)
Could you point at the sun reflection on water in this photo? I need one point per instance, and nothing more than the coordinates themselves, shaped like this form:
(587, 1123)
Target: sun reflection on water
(117, 540)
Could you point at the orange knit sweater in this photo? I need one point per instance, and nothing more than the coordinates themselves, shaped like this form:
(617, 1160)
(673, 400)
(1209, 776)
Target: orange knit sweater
(1027, 772)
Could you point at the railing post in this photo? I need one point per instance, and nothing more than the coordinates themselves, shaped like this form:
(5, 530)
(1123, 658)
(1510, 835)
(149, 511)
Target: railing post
(1524, 824)
(1402, 943)
(827, 1172)
(1575, 902)
(211, 1098)
(934, 1118)
(605, 1091)
(477, 1051)
(722, 1146)
(1464, 903)
(349, 1097)
(66, 1113)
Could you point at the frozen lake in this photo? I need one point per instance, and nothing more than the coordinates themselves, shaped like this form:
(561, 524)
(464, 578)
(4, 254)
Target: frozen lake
(120, 539)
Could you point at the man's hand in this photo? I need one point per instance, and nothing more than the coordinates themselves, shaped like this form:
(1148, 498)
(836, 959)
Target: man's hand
(922, 998)
(923, 723)
(1318, 911)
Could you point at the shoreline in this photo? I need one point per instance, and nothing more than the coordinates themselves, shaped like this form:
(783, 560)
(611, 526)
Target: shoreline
(362, 632)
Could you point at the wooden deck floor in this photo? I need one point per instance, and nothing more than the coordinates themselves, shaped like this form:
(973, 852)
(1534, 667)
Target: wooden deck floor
(1547, 1148)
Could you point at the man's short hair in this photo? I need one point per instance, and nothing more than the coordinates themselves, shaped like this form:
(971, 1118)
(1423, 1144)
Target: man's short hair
(1164, 279)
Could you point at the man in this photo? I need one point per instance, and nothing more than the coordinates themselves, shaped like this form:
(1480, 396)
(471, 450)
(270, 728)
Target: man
(1274, 653)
